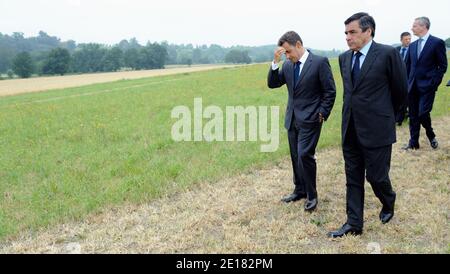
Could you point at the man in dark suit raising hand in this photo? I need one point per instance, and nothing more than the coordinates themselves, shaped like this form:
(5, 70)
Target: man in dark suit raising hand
(311, 95)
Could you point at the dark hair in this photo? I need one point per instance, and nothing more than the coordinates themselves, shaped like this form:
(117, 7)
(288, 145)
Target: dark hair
(291, 37)
(404, 34)
(365, 21)
(424, 21)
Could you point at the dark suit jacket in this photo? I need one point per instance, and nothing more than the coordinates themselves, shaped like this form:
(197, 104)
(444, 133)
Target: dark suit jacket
(314, 91)
(428, 70)
(377, 96)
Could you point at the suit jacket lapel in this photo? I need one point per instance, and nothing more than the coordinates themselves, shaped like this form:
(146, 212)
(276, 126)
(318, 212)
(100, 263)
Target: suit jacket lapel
(289, 76)
(413, 49)
(291, 73)
(425, 48)
(305, 69)
(348, 70)
(370, 58)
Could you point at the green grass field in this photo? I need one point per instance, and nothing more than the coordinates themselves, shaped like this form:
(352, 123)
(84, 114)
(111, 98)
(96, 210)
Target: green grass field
(67, 153)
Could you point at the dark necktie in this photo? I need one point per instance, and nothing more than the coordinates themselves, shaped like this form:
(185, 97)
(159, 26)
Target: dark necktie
(403, 53)
(296, 72)
(356, 71)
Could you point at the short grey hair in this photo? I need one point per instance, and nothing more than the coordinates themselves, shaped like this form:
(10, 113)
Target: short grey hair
(424, 21)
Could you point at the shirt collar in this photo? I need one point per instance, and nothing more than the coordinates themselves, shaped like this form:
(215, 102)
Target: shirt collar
(304, 57)
(425, 37)
(366, 48)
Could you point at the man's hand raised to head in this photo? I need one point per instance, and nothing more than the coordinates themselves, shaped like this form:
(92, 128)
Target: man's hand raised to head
(277, 55)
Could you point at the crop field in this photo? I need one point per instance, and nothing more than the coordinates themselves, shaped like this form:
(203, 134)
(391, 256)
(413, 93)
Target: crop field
(18, 86)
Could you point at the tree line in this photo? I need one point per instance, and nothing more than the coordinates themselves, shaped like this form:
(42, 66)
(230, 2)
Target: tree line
(48, 55)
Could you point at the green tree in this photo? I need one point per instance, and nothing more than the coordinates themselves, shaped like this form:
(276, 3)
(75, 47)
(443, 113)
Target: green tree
(10, 73)
(58, 62)
(125, 45)
(23, 65)
(131, 57)
(160, 56)
(237, 57)
(216, 53)
(89, 57)
(196, 55)
(113, 60)
(70, 45)
(185, 59)
(44, 41)
(6, 56)
(447, 42)
(171, 51)
(152, 56)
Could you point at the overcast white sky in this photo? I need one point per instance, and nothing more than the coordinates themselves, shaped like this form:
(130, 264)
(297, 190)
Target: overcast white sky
(230, 22)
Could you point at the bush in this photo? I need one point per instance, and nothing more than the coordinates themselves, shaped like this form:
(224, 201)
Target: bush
(10, 73)
(23, 65)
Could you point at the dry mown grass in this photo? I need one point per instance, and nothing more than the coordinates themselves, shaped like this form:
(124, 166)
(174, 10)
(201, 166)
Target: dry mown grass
(17, 86)
(244, 214)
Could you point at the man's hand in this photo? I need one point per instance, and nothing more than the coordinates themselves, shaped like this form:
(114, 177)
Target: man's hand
(277, 55)
(321, 118)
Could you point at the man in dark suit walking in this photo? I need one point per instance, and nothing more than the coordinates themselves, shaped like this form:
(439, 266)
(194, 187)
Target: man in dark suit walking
(405, 39)
(374, 78)
(311, 95)
(426, 64)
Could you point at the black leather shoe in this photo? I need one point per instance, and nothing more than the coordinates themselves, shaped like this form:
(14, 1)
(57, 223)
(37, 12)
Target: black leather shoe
(293, 197)
(344, 230)
(310, 205)
(434, 143)
(410, 147)
(385, 217)
(387, 213)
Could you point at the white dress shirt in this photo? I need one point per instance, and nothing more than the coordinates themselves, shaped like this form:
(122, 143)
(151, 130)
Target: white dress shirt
(364, 51)
(424, 41)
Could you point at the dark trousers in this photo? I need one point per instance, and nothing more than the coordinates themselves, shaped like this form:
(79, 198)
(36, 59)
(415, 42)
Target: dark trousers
(420, 106)
(303, 139)
(374, 165)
